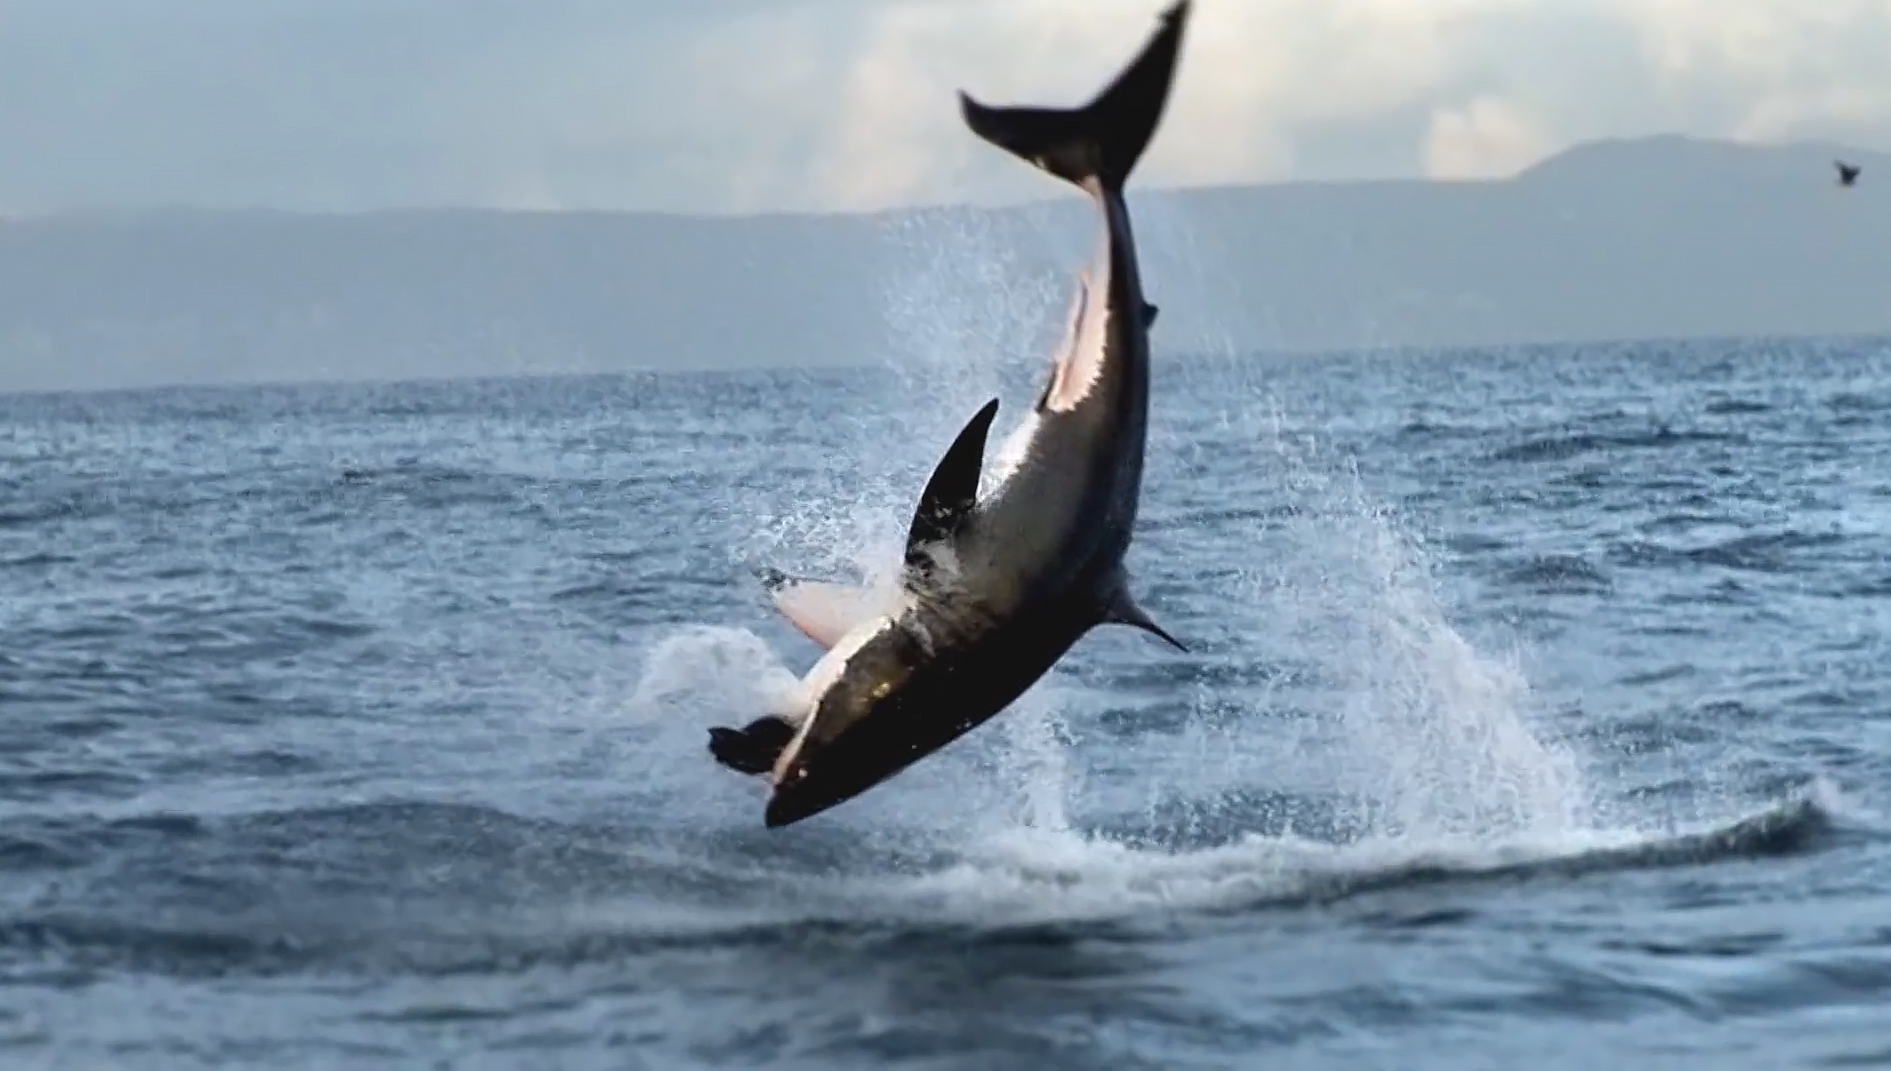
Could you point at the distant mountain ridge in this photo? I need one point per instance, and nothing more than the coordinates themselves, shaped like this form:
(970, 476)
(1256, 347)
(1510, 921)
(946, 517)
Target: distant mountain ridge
(1663, 237)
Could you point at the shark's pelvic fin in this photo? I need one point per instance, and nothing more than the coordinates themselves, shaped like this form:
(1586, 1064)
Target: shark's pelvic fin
(1122, 610)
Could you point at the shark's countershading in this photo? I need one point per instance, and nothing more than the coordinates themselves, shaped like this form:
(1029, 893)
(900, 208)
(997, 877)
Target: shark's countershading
(994, 588)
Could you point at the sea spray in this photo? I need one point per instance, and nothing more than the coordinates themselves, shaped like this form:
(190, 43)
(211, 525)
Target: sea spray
(965, 321)
(1422, 734)
(1387, 704)
(970, 324)
(1434, 736)
(1328, 674)
(713, 673)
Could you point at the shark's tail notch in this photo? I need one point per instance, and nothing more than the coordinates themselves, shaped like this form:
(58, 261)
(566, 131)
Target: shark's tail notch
(1102, 140)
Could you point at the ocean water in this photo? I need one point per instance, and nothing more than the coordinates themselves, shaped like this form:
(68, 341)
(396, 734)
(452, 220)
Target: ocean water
(1538, 713)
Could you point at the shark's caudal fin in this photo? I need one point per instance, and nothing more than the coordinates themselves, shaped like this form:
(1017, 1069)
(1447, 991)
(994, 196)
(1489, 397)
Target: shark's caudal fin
(953, 489)
(1103, 139)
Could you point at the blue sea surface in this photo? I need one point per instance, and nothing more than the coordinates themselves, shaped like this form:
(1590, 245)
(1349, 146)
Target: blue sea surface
(1538, 714)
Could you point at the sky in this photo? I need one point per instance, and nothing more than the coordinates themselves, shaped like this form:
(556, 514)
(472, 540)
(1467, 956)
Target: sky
(738, 106)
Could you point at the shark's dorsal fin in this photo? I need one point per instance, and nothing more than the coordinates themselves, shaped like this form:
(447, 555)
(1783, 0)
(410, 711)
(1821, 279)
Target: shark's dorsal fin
(1122, 610)
(822, 610)
(953, 489)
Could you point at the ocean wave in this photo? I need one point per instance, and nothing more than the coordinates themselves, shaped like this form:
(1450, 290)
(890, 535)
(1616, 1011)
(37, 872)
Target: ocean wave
(1559, 574)
(547, 895)
(1565, 447)
(1041, 878)
(1736, 407)
(1770, 552)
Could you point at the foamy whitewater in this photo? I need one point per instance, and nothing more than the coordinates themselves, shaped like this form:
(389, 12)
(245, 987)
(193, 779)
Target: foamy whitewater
(1535, 712)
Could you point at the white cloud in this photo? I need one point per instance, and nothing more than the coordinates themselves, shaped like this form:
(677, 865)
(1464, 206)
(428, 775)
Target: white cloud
(1488, 138)
(1469, 88)
(1773, 40)
(742, 105)
(1256, 77)
(1768, 69)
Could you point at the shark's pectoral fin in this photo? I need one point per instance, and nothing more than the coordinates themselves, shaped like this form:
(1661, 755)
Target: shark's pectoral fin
(953, 489)
(753, 748)
(823, 611)
(1149, 315)
(1122, 610)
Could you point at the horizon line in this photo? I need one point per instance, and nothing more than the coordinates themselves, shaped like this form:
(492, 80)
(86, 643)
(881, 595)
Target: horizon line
(124, 210)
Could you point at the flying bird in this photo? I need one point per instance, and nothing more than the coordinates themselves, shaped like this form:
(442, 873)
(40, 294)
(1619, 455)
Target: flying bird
(1847, 173)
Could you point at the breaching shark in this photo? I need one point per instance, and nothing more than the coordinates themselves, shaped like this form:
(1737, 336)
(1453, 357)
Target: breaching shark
(993, 588)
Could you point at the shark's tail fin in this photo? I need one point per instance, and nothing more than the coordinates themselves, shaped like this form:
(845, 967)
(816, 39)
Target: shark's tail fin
(1103, 139)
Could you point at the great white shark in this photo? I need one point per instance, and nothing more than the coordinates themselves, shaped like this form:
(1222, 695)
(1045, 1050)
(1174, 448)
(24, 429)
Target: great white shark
(994, 588)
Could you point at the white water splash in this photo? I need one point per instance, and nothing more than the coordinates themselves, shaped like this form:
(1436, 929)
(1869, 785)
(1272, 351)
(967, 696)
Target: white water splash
(973, 320)
(1029, 876)
(966, 320)
(713, 675)
(1430, 738)
(1435, 737)
(1379, 701)
(1036, 760)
